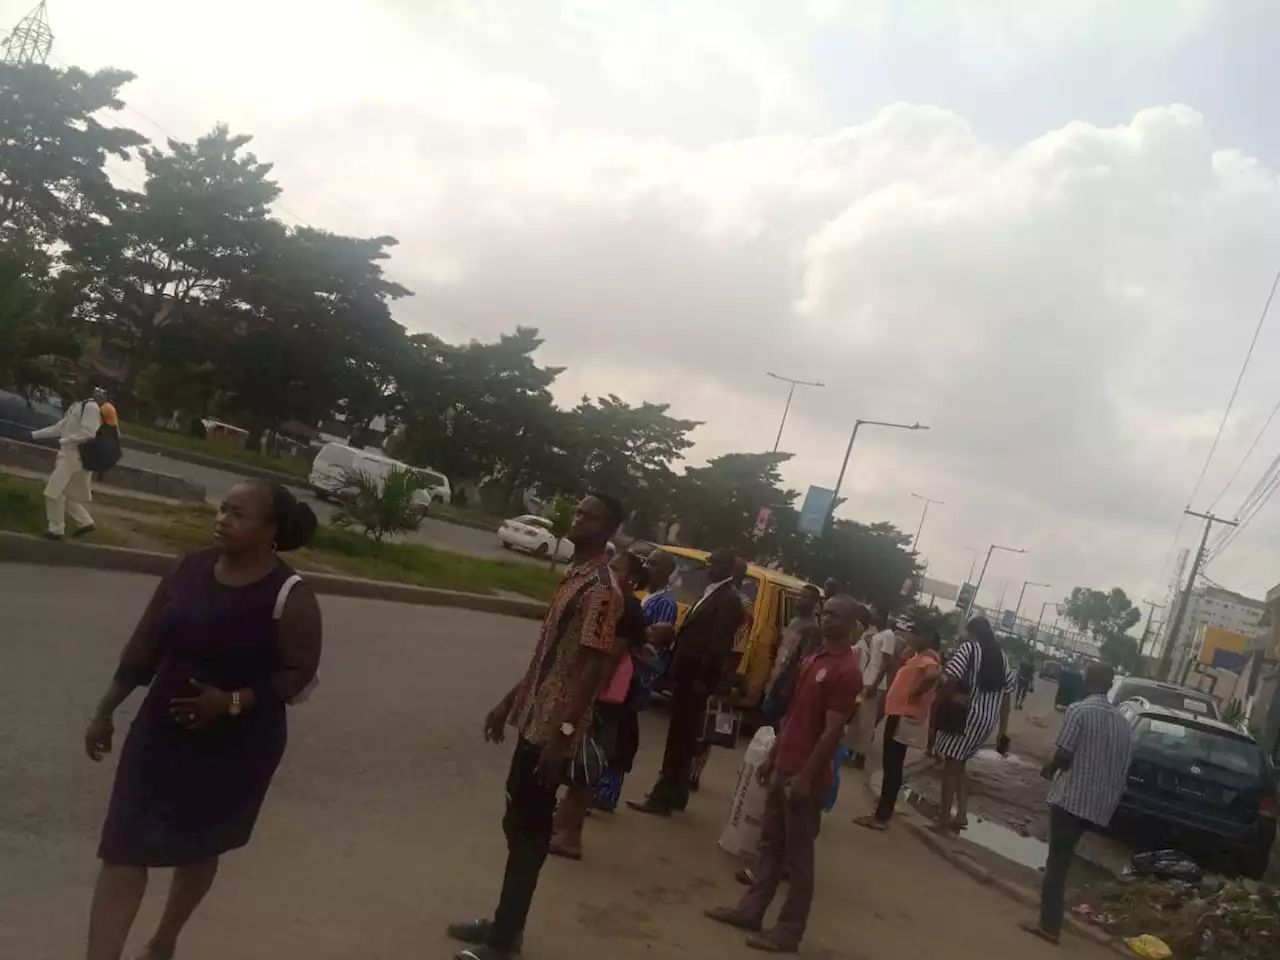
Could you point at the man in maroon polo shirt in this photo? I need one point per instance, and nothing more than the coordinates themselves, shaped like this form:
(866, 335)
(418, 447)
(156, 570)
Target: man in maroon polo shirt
(798, 773)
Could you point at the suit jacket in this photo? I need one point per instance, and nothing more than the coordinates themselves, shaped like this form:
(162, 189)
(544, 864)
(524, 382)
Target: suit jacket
(705, 639)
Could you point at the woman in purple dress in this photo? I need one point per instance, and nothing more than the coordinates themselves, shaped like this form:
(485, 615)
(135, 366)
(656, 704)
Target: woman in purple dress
(230, 637)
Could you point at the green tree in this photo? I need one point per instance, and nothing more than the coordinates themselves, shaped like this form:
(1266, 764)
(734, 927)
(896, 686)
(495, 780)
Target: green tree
(53, 151)
(718, 505)
(181, 387)
(38, 329)
(176, 254)
(1121, 650)
(1101, 614)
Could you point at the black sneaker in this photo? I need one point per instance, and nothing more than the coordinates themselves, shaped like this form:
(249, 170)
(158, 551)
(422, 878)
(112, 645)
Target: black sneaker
(83, 532)
(56, 537)
(484, 952)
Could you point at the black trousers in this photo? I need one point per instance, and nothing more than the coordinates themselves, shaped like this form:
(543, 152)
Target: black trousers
(531, 808)
(688, 717)
(1065, 832)
(895, 758)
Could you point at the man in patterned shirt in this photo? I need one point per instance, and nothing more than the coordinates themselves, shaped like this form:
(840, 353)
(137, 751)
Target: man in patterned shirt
(1092, 767)
(551, 708)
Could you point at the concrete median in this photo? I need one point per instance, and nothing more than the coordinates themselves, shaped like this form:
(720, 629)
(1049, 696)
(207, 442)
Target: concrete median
(17, 548)
(39, 458)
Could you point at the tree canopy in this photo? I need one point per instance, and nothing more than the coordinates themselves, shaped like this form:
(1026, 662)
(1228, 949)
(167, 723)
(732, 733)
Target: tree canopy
(220, 309)
(1104, 615)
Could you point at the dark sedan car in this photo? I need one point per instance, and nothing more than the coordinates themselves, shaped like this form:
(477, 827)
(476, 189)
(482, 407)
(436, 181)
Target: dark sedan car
(1202, 779)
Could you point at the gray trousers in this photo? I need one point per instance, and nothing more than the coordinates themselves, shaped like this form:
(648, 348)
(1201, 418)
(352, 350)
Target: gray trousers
(786, 845)
(1065, 833)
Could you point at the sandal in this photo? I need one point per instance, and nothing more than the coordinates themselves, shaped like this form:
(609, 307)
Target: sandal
(869, 821)
(563, 852)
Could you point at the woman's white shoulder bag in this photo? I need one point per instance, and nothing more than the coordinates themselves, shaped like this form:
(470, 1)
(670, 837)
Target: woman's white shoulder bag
(281, 599)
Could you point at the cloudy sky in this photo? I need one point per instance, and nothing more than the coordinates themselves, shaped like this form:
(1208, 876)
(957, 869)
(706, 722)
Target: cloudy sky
(1045, 229)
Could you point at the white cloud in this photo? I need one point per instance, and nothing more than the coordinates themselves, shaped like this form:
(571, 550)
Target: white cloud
(672, 193)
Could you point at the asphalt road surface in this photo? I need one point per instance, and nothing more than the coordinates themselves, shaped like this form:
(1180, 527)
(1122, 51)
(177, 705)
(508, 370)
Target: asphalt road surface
(434, 533)
(383, 823)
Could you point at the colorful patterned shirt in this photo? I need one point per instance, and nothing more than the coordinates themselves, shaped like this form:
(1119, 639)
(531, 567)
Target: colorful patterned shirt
(583, 614)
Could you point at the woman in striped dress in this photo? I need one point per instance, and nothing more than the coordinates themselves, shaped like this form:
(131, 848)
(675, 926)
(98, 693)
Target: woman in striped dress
(979, 676)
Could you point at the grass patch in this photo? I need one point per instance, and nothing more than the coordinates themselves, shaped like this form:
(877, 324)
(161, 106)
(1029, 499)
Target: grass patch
(295, 466)
(468, 516)
(21, 505)
(182, 528)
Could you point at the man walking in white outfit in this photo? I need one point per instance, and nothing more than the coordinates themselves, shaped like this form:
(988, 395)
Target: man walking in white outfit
(70, 485)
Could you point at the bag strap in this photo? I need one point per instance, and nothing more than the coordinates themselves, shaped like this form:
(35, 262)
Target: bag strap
(283, 596)
(603, 579)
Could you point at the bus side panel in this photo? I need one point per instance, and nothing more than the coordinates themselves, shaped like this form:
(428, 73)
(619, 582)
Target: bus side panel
(757, 659)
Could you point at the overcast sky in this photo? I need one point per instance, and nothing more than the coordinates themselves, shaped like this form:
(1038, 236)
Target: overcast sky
(1045, 229)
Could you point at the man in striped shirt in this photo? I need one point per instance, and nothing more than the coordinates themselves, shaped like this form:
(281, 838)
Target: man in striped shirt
(1091, 766)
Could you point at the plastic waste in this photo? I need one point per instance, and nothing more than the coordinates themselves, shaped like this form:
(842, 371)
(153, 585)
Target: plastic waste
(1167, 865)
(1150, 947)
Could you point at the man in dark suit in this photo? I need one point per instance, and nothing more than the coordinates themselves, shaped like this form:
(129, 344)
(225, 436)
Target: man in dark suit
(702, 664)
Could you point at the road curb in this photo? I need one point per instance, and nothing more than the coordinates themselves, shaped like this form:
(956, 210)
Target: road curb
(19, 548)
(1021, 895)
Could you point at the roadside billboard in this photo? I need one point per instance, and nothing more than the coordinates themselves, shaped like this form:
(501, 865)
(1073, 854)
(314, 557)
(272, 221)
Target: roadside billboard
(814, 511)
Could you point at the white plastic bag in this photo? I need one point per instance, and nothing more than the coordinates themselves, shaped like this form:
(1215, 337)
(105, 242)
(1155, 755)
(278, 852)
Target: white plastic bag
(741, 833)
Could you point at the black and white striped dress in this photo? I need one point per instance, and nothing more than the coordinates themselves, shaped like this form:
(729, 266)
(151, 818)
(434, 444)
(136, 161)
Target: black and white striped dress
(984, 707)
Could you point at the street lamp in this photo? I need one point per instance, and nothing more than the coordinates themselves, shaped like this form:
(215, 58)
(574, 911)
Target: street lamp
(915, 544)
(790, 394)
(978, 586)
(973, 564)
(1027, 583)
(835, 494)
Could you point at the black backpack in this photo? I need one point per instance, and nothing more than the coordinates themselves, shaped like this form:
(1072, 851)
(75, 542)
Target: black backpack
(102, 452)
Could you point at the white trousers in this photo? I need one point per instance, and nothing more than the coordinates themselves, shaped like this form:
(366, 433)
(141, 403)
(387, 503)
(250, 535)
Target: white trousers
(69, 488)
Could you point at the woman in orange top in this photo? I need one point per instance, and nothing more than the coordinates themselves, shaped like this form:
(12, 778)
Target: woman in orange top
(907, 707)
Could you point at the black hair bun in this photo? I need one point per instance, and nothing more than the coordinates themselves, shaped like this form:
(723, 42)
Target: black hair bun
(295, 526)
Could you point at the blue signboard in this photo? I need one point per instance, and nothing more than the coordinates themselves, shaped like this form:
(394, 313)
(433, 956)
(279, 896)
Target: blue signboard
(814, 511)
(1006, 620)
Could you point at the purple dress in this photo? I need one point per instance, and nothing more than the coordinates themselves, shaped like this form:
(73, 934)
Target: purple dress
(183, 796)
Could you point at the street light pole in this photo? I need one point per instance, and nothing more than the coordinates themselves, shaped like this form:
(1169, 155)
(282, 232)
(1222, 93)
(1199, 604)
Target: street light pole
(1025, 584)
(790, 393)
(1043, 607)
(1146, 631)
(973, 563)
(915, 544)
(978, 586)
(848, 451)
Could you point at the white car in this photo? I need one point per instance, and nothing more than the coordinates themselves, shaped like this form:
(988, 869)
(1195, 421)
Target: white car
(436, 487)
(334, 460)
(533, 535)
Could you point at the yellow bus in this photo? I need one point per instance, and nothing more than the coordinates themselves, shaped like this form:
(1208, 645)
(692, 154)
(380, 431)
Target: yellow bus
(773, 597)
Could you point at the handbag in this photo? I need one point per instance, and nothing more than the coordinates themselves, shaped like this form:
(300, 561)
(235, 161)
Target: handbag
(911, 732)
(952, 713)
(277, 612)
(721, 723)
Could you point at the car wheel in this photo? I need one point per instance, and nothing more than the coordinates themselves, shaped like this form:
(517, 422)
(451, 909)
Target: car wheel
(542, 551)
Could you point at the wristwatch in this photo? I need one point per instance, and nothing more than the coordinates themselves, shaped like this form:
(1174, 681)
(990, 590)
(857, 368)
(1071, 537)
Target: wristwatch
(234, 709)
(567, 730)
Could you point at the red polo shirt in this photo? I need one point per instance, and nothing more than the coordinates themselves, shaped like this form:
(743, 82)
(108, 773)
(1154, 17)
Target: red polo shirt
(829, 682)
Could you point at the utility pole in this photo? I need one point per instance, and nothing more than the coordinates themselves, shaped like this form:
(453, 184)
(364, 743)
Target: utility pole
(915, 544)
(1180, 612)
(1146, 631)
(978, 586)
(1018, 609)
(848, 452)
(973, 564)
(790, 393)
(1039, 622)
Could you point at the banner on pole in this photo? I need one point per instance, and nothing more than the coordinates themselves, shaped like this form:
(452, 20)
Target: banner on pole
(814, 511)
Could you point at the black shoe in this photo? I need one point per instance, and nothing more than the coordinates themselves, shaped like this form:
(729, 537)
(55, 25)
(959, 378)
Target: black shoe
(859, 762)
(83, 532)
(477, 932)
(57, 537)
(655, 808)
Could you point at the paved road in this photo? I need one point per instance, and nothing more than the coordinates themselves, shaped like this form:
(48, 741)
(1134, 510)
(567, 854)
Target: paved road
(383, 822)
(435, 533)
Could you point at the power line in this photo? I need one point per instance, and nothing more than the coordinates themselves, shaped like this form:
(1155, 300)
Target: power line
(1235, 390)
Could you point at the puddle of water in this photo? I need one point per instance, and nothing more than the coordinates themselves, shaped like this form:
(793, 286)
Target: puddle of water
(999, 839)
(984, 757)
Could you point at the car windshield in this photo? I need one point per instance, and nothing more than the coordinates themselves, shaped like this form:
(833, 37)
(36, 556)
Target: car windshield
(433, 479)
(531, 521)
(1170, 699)
(1198, 746)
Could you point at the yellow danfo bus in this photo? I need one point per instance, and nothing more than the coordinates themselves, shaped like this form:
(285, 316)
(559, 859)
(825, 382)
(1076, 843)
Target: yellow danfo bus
(773, 597)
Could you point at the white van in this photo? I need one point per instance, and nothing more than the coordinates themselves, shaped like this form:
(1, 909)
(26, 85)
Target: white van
(335, 460)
